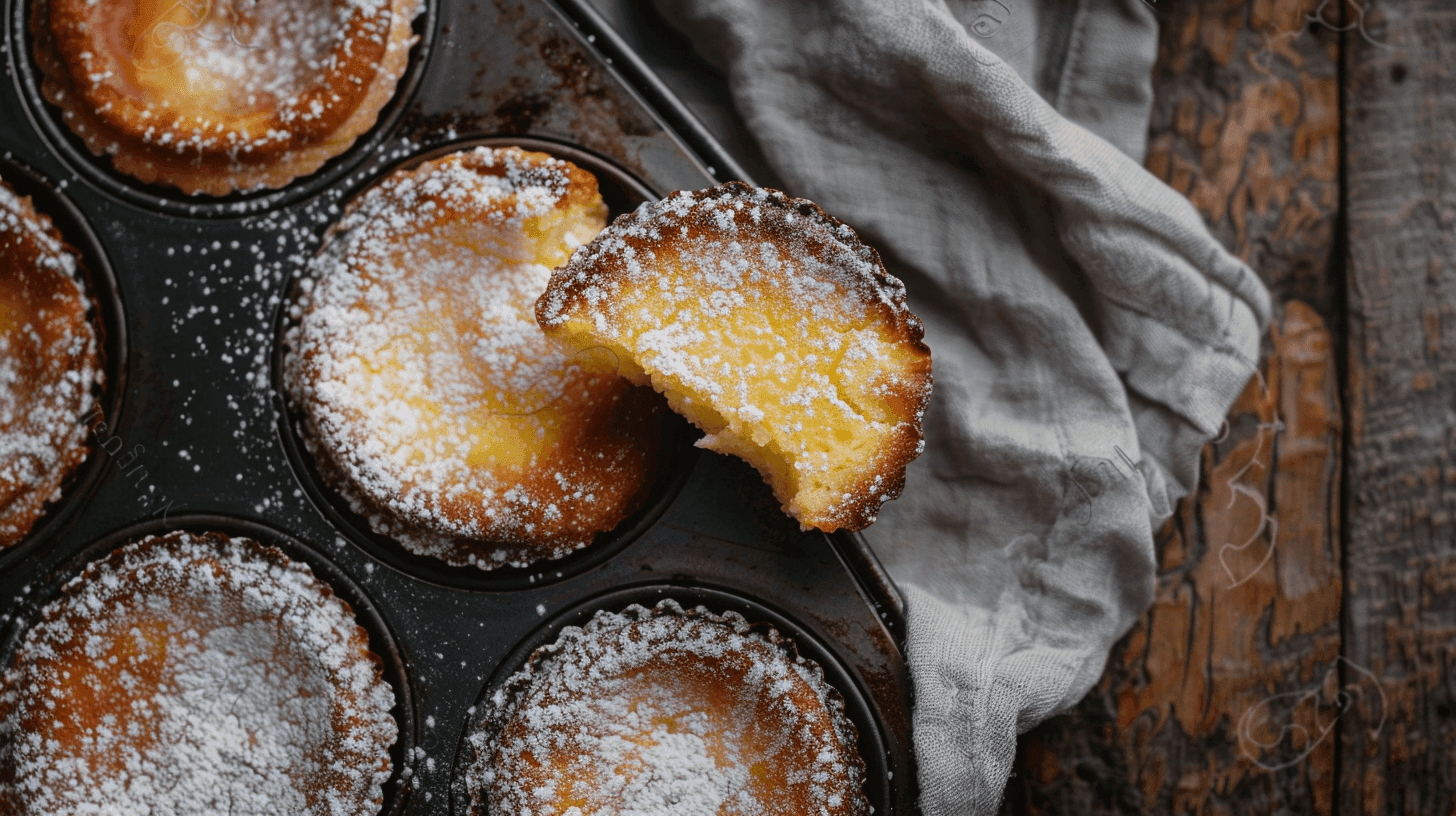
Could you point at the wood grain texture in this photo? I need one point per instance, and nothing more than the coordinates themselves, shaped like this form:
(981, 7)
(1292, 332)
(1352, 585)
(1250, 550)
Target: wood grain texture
(1398, 746)
(1246, 124)
(1226, 697)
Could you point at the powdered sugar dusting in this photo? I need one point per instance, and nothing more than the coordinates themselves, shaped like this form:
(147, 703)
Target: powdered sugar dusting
(223, 76)
(734, 236)
(773, 328)
(49, 365)
(431, 398)
(194, 674)
(252, 93)
(666, 711)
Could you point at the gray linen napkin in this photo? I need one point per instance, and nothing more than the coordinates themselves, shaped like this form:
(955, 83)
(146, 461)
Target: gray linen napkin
(1088, 334)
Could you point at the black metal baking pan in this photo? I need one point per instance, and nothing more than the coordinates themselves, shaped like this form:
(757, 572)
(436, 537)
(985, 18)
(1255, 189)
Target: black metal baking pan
(191, 431)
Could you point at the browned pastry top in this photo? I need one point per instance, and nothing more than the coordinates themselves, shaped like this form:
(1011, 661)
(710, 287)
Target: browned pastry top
(50, 364)
(430, 398)
(667, 711)
(213, 96)
(195, 674)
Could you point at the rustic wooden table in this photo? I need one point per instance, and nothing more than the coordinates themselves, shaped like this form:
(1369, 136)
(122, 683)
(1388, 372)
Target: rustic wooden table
(1299, 656)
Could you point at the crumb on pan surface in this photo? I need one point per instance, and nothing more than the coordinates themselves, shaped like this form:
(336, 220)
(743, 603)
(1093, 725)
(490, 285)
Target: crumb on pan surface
(773, 328)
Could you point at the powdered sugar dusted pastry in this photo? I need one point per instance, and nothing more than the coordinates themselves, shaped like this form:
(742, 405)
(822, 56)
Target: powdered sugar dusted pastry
(430, 398)
(213, 96)
(666, 711)
(769, 325)
(194, 674)
(50, 363)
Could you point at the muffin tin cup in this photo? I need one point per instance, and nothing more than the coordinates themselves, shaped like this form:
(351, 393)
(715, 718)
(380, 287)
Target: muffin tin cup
(622, 192)
(381, 638)
(106, 314)
(161, 198)
(206, 440)
(858, 706)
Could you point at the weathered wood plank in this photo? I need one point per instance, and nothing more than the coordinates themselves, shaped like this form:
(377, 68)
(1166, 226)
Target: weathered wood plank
(1398, 740)
(1224, 698)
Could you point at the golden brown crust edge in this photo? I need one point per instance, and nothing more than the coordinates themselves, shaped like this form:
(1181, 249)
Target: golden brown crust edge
(23, 506)
(630, 435)
(370, 735)
(604, 266)
(579, 643)
(215, 172)
(600, 259)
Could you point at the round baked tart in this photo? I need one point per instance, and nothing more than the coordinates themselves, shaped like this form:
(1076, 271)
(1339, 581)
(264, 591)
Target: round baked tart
(666, 710)
(194, 673)
(50, 365)
(428, 397)
(772, 327)
(217, 96)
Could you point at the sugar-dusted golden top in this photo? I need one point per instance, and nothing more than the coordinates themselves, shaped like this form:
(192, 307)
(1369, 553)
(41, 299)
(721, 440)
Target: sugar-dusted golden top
(195, 673)
(50, 363)
(667, 711)
(429, 395)
(211, 95)
(772, 327)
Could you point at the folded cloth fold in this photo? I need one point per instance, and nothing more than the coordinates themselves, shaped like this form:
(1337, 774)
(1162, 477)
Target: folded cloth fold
(1088, 334)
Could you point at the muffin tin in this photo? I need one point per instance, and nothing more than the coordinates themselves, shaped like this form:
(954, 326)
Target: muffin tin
(191, 431)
